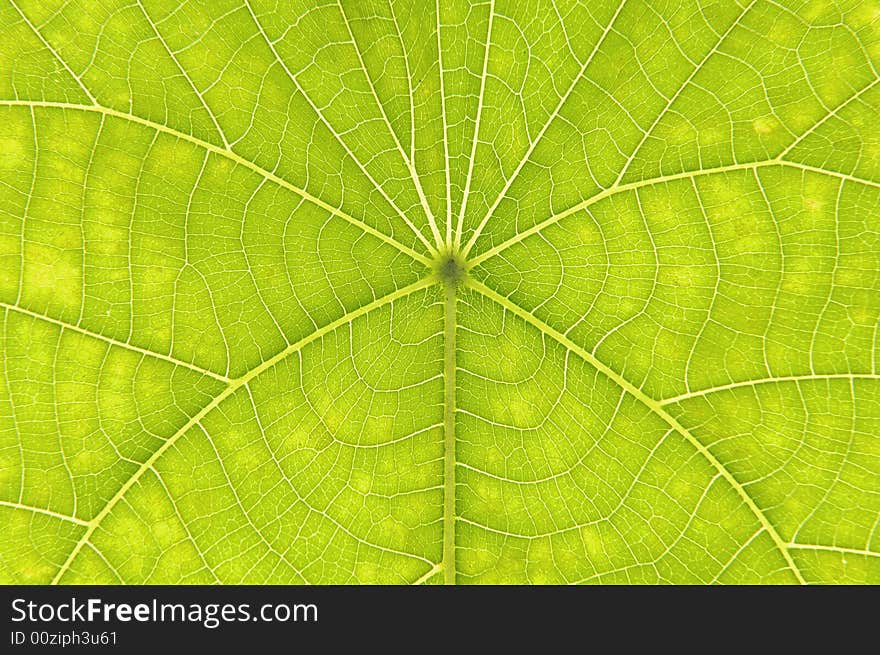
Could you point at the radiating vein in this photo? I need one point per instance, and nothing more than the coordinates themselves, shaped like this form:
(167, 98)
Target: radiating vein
(651, 404)
(234, 386)
(429, 215)
(229, 154)
(416, 231)
(459, 230)
(446, 168)
(538, 137)
(653, 181)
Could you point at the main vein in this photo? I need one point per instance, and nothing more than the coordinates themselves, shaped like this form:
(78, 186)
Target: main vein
(449, 460)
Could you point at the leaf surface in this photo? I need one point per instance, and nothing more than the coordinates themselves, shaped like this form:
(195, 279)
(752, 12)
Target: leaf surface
(474, 292)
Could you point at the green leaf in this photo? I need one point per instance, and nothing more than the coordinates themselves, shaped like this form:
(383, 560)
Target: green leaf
(510, 291)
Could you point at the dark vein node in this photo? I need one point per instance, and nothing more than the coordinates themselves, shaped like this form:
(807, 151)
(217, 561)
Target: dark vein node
(450, 269)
